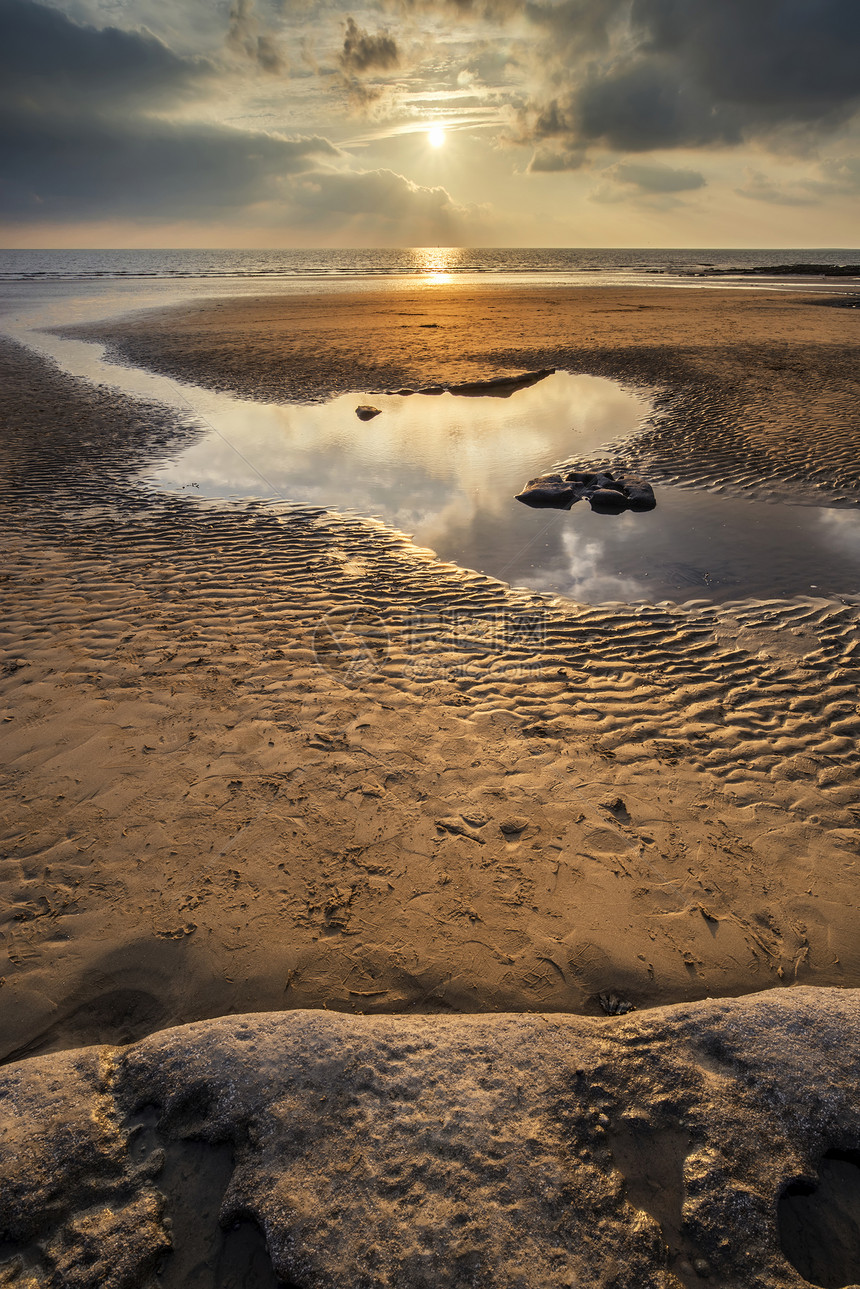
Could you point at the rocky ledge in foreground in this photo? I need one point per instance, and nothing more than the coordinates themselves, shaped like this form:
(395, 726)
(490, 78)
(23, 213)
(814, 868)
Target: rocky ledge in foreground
(682, 1146)
(602, 490)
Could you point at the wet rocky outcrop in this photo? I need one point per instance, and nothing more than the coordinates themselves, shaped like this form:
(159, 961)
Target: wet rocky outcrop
(492, 387)
(604, 491)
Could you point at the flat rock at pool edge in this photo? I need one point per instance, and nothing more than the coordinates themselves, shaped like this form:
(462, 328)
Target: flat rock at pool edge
(604, 492)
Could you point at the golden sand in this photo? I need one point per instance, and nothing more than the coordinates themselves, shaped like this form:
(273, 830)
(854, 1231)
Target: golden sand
(207, 811)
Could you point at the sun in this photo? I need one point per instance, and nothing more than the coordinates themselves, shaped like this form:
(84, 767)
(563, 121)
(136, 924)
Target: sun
(436, 136)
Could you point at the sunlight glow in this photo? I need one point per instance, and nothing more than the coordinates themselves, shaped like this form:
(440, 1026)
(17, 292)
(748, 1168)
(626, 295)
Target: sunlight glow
(434, 262)
(436, 136)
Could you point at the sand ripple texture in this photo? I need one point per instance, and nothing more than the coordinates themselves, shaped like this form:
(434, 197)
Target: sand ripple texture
(266, 757)
(757, 392)
(503, 1152)
(757, 421)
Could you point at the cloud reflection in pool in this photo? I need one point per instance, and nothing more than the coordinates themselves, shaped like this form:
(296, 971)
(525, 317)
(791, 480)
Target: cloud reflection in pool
(444, 468)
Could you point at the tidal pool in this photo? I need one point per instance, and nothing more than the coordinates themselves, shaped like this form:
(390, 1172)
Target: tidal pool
(445, 467)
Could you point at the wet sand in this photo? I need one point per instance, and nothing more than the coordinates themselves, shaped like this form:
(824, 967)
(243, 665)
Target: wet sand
(757, 390)
(266, 757)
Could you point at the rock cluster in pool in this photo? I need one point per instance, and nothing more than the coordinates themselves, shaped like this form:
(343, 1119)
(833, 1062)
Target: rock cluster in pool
(605, 493)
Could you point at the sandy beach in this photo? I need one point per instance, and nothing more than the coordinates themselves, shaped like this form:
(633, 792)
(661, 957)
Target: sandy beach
(264, 757)
(756, 389)
(658, 802)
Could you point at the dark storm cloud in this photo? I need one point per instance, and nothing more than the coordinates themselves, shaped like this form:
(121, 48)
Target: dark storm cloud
(800, 56)
(84, 131)
(58, 65)
(657, 178)
(678, 74)
(244, 37)
(363, 52)
(60, 169)
(636, 75)
(551, 161)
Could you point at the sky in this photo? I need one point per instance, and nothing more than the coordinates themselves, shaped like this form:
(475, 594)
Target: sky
(314, 123)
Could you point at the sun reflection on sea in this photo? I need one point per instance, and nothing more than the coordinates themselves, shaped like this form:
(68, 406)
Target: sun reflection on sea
(436, 262)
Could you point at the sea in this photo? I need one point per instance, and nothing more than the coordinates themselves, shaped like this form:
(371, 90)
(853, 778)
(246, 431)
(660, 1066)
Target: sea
(562, 265)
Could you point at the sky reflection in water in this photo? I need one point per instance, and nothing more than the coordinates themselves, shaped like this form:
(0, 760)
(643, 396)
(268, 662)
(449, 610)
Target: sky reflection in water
(445, 469)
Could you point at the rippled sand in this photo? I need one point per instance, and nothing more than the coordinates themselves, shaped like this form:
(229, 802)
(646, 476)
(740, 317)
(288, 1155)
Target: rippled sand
(271, 757)
(265, 757)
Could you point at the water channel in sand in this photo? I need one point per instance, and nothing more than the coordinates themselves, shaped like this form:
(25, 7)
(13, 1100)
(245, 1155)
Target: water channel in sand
(444, 468)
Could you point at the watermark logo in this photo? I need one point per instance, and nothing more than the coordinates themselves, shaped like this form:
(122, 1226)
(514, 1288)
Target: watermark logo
(351, 644)
(355, 644)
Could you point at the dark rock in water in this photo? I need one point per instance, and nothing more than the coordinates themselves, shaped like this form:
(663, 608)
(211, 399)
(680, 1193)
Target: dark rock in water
(549, 490)
(587, 482)
(606, 494)
(640, 495)
(366, 413)
(608, 501)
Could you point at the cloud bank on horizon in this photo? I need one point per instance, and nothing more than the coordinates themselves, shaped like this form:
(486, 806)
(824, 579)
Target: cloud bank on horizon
(304, 122)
